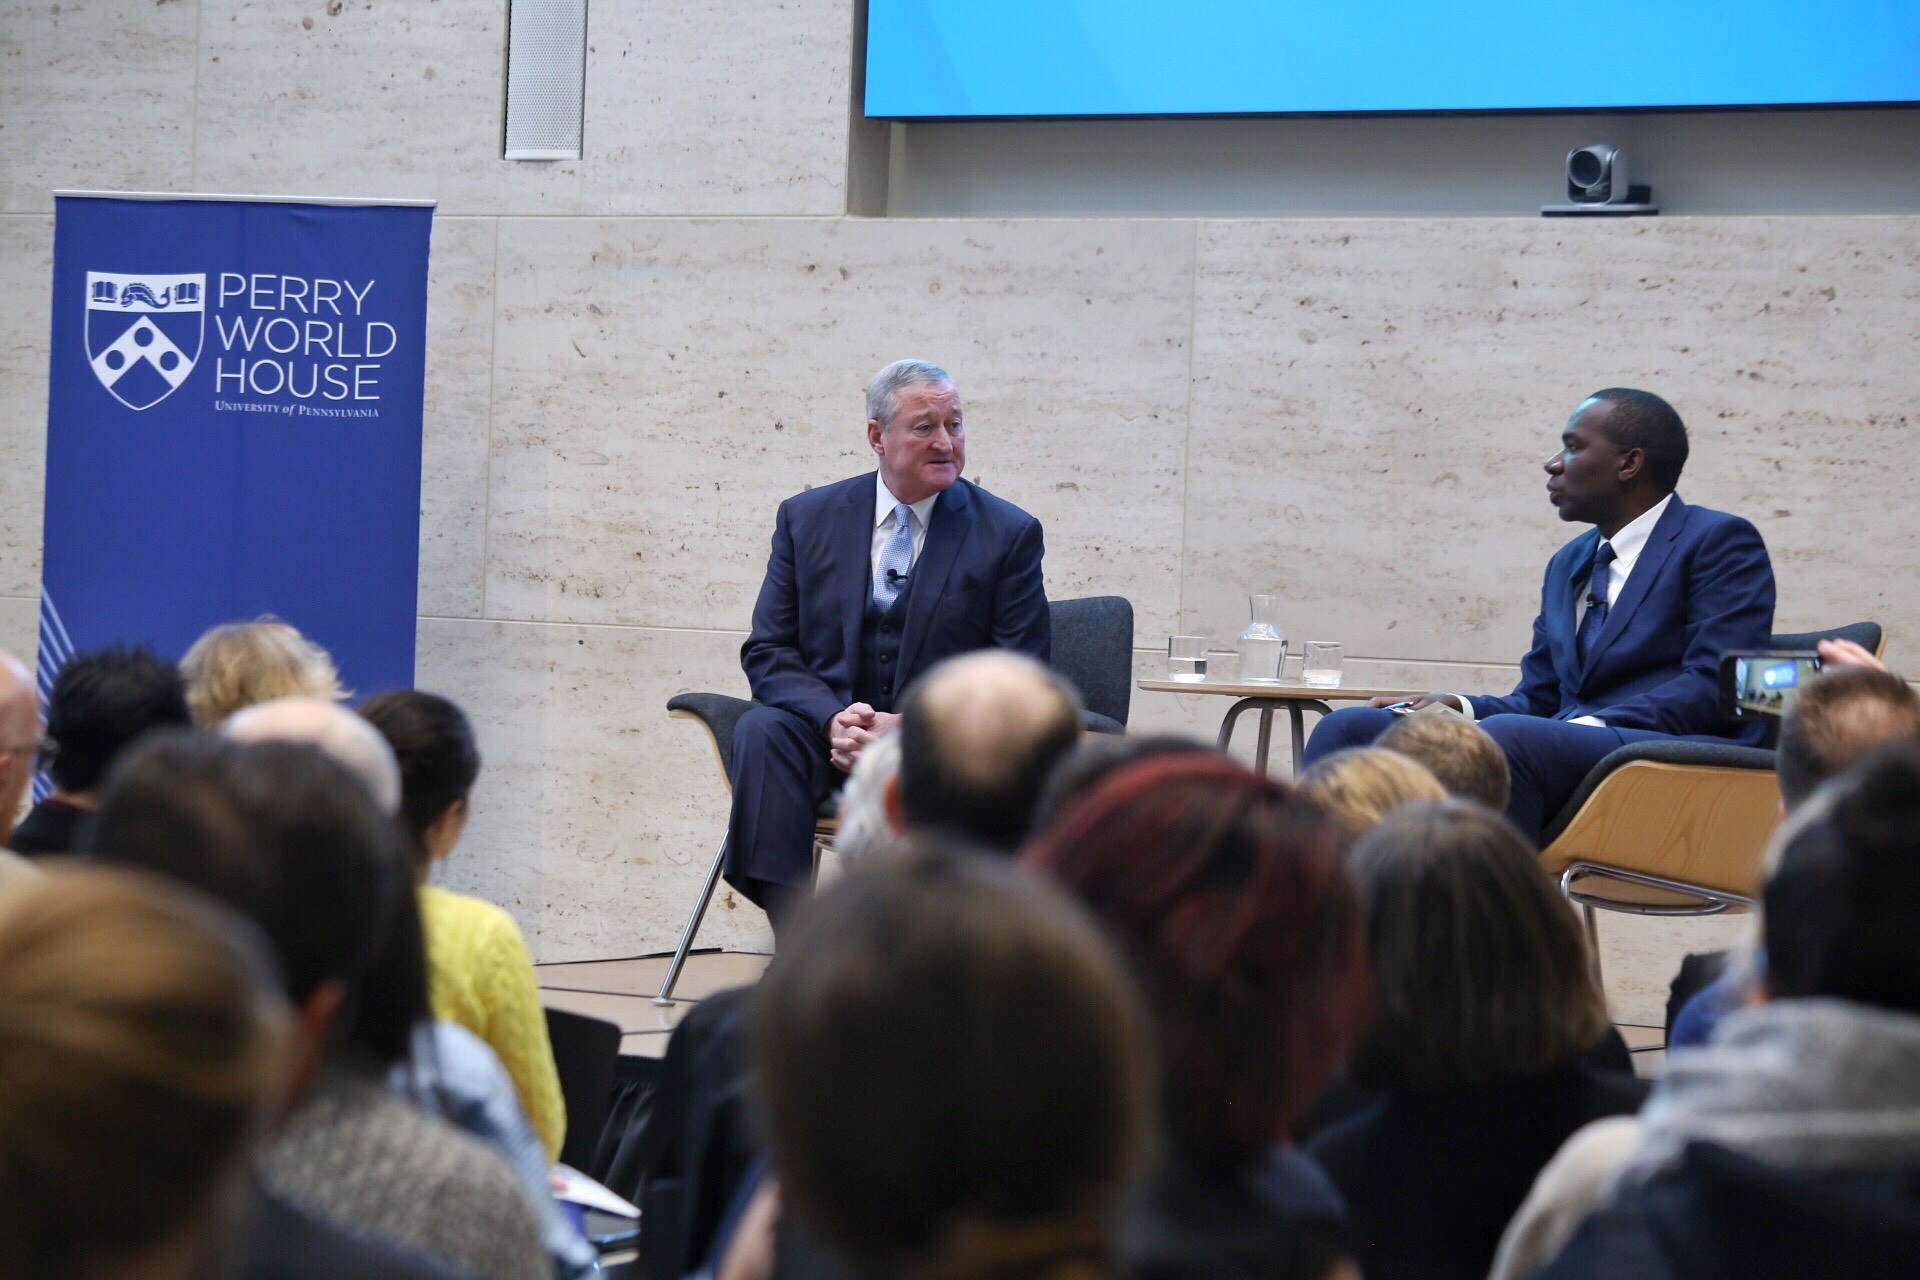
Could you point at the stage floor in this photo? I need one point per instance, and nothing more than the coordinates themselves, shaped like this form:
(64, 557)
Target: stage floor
(621, 991)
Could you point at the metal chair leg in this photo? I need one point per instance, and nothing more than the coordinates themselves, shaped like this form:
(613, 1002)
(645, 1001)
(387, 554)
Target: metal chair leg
(693, 927)
(1593, 943)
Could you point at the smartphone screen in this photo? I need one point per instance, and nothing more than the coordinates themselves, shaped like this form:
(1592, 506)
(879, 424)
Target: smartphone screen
(1764, 683)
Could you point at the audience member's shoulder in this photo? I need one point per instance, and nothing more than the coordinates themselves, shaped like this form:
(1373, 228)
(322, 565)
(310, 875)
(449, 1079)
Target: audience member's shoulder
(466, 914)
(281, 1242)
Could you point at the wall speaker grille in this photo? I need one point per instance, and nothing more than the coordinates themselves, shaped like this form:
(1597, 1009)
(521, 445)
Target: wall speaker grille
(546, 79)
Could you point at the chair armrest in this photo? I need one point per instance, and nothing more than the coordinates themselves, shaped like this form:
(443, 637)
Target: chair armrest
(717, 713)
(1674, 751)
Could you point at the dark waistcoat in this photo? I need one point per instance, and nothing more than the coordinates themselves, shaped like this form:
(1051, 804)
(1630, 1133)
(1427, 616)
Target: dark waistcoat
(876, 683)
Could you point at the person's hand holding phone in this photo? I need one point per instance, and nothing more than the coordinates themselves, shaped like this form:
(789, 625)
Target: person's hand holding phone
(1845, 653)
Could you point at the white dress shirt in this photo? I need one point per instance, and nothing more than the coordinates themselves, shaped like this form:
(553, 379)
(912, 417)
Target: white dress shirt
(1627, 546)
(883, 504)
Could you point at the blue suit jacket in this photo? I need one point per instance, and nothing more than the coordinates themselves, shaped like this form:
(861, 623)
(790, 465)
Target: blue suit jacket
(976, 585)
(1702, 585)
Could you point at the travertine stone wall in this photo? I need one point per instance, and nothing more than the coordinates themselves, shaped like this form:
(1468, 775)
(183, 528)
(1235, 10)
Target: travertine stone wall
(632, 358)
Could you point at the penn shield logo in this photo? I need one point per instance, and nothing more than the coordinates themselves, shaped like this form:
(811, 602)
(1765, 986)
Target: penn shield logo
(144, 333)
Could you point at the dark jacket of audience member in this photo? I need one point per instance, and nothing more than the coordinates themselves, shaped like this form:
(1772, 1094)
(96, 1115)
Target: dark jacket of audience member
(1790, 1146)
(1229, 897)
(102, 702)
(953, 1068)
(1485, 1010)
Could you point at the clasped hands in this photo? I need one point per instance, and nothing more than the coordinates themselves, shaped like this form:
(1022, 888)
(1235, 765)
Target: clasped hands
(851, 731)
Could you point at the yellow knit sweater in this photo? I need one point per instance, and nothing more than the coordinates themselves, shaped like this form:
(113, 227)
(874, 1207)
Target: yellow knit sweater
(482, 978)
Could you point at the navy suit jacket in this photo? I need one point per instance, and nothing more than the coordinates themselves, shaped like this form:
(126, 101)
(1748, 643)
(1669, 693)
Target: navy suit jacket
(976, 585)
(1701, 586)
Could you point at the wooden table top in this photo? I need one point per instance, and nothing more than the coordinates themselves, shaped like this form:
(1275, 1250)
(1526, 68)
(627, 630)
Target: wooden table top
(1297, 692)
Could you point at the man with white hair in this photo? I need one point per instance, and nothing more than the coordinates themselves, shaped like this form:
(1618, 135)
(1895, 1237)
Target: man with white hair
(871, 581)
(339, 733)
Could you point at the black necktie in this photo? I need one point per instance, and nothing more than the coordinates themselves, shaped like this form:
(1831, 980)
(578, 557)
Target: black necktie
(1596, 615)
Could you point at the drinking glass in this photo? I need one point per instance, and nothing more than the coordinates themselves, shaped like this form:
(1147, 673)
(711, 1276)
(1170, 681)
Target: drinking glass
(1321, 669)
(1187, 659)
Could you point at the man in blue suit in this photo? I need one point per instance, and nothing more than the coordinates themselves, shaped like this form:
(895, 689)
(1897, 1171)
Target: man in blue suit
(1634, 614)
(871, 581)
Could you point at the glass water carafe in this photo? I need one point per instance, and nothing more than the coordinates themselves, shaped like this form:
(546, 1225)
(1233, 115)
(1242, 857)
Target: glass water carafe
(1262, 648)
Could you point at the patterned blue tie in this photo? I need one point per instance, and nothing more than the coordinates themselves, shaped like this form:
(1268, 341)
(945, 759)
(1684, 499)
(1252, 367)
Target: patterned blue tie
(1596, 615)
(896, 557)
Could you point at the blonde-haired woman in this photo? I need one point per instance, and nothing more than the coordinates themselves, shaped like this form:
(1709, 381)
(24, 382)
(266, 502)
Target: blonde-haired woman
(142, 1046)
(237, 664)
(1362, 785)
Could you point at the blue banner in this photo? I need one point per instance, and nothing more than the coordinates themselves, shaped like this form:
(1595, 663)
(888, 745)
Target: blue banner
(233, 426)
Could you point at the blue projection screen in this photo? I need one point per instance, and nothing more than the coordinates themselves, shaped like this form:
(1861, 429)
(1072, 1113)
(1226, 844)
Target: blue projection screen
(952, 59)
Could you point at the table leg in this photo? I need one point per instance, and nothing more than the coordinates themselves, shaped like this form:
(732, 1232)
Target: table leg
(1265, 742)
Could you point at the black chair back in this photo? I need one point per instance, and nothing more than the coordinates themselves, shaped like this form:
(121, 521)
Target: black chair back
(1093, 647)
(585, 1051)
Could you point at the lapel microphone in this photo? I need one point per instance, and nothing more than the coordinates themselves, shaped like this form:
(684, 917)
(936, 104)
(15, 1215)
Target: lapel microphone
(895, 577)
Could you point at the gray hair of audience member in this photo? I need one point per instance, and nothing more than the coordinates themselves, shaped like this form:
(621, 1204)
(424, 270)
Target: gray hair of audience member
(866, 827)
(978, 736)
(954, 1067)
(343, 736)
(883, 393)
(1098, 757)
(1460, 754)
(1480, 969)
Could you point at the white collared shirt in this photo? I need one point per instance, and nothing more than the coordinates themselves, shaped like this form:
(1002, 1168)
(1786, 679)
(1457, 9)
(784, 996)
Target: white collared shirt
(883, 504)
(1627, 546)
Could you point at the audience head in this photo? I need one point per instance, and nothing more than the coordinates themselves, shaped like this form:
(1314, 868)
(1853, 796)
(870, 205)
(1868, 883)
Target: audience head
(438, 758)
(866, 825)
(276, 831)
(985, 1045)
(141, 1049)
(1839, 717)
(978, 736)
(1098, 757)
(1361, 785)
(1229, 896)
(240, 663)
(1460, 755)
(20, 734)
(1479, 966)
(101, 703)
(342, 736)
(1840, 914)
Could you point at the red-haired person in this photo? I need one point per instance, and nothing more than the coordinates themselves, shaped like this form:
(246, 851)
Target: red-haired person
(1229, 897)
